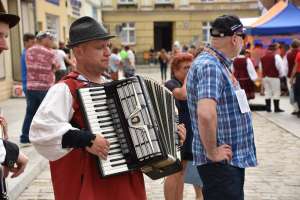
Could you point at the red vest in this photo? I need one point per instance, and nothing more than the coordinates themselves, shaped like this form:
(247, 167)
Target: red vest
(240, 69)
(76, 177)
(268, 65)
(291, 56)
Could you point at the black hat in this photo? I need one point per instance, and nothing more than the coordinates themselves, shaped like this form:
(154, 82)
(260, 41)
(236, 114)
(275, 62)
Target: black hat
(86, 29)
(10, 19)
(227, 25)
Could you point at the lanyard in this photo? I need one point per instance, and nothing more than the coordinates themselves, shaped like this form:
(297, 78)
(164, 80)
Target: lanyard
(222, 60)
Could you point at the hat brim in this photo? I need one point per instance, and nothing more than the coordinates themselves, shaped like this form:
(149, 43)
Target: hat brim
(10, 19)
(101, 37)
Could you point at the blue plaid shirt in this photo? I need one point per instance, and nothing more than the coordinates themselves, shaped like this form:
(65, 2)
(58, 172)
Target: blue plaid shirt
(208, 78)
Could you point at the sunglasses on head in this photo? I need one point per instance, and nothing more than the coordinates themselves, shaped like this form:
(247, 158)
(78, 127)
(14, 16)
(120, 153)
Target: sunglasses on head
(240, 34)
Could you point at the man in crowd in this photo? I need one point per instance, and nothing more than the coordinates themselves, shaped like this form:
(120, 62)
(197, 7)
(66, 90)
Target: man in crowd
(28, 40)
(290, 62)
(10, 157)
(58, 131)
(223, 139)
(41, 65)
(272, 68)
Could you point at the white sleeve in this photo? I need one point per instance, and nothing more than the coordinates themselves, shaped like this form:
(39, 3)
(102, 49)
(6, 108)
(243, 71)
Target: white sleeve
(2, 152)
(260, 66)
(52, 121)
(251, 70)
(279, 65)
(285, 66)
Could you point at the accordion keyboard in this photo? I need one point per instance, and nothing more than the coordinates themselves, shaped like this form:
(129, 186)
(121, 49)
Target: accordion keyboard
(100, 120)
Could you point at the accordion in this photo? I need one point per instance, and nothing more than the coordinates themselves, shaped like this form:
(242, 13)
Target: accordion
(137, 116)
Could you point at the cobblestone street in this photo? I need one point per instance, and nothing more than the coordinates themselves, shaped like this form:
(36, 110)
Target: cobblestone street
(276, 177)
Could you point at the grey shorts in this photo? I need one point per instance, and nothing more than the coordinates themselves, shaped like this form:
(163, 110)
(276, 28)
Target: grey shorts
(191, 175)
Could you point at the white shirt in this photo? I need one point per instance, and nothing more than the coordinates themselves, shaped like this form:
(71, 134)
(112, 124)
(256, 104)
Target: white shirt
(131, 58)
(52, 121)
(250, 68)
(285, 66)
(60, 57)
(2, 152)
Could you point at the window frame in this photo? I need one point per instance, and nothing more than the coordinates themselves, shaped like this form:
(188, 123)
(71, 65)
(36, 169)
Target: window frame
(126, 30)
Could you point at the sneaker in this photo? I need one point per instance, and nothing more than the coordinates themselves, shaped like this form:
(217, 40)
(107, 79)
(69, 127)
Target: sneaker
(25, 144)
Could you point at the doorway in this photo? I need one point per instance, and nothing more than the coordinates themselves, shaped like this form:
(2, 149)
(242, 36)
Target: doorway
(163, 35)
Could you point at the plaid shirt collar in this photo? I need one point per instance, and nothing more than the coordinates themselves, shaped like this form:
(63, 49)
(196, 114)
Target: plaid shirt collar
(227, 62)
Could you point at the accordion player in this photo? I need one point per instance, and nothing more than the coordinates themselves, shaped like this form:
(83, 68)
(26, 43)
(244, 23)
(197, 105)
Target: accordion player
(137, 116)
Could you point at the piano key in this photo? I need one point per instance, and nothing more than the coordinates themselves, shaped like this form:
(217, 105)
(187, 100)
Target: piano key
(100, 130)
(88, 90)
(101, 119)
(87, 98)
(115, 171)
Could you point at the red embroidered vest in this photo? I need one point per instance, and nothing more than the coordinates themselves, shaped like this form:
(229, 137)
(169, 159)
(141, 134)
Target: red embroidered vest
(268, 65)
(240, 69)
(75, 176)
(291, 56)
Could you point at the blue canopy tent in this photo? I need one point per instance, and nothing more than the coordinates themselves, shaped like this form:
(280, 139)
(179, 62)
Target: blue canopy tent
(282, 20)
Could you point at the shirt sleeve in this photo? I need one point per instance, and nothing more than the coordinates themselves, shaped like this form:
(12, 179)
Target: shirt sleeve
(52, 121)
(251, 70)
(172, 84)
(279, 65)
(2, 152)
(209, 82)
(285, 66)
(297, 59)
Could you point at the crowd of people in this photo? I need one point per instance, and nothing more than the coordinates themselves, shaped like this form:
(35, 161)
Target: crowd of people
(211, 86)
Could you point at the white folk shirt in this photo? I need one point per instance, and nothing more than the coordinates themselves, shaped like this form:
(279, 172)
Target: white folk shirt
(250, 68)
(52, 121)
(2, 152)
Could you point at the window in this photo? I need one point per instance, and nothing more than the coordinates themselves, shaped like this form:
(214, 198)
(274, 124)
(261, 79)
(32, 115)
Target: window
(95, 12)
(54, 1)
(52, 25)
(163, 1)
(128, 33)
(205, 32)
(127, 1)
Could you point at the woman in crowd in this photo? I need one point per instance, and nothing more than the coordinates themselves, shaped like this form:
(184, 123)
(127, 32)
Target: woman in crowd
(174, 184)
(163, 62)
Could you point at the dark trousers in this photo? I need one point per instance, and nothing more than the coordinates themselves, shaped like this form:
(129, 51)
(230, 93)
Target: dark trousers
(297, 89)
(33, 99)
(163, 71)
(222, 181)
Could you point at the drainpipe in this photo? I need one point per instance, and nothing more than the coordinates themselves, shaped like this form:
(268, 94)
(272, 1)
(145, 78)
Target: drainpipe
(34, 16)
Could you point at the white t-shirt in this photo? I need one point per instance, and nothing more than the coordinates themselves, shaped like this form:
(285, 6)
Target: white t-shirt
(60, 57)
(131, 58)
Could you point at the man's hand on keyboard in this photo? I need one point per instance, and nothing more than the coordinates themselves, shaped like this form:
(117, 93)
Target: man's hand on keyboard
(100, 147)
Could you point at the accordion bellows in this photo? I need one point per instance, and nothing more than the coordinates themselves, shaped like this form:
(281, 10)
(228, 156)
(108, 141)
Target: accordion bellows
(137, 116)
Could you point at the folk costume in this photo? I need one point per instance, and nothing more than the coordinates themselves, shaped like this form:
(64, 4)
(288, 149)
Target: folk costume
(272, 69)
(245, 73)
(74, 170)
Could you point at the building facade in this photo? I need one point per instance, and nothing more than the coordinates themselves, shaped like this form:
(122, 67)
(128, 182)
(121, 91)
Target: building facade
(147, 24)
(10, 67)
